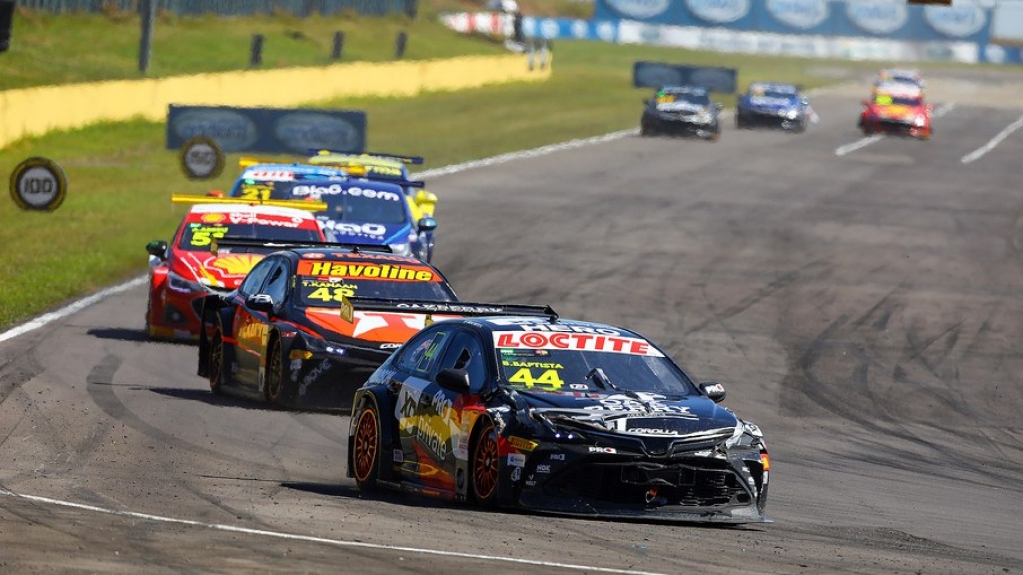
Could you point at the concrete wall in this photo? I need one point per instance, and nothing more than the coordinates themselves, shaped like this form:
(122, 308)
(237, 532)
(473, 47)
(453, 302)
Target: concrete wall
(35, 111)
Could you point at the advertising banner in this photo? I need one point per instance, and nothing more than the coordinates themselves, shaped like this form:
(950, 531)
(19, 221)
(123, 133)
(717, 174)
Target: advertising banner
(660, 74)
(267, 130)
(964, 20)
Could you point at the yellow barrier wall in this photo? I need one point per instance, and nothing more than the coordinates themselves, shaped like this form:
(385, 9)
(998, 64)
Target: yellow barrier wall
(35, 111)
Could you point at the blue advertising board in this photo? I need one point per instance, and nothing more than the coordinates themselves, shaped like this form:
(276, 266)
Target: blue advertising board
(964, 20)
(268, 130)
(660, 74)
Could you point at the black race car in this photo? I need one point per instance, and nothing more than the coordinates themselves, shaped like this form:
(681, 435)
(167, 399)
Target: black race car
(556, 416)
(305, 316)
(682, 111)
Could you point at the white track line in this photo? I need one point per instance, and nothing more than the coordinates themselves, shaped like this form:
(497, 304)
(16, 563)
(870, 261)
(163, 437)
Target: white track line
(71, 308)
(861, 143)
(864, 142)
(323, 540)
(976, 154)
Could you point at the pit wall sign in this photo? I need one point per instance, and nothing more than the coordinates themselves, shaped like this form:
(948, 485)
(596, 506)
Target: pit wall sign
(38, 183)
(267, 130)
(964, 20)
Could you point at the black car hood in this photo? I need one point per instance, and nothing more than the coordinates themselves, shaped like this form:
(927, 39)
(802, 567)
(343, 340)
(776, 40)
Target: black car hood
(642, 415)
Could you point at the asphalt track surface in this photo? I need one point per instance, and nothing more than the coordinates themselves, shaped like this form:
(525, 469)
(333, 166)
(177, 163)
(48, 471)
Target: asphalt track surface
(864, 308)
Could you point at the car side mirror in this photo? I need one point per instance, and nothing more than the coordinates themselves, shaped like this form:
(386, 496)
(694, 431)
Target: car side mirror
(865, 103)
(456, 380)
(718, 106)
(646, 101)
(427, 224)
(930, 107)
(714, 391)
(157, 249)
(260, 302)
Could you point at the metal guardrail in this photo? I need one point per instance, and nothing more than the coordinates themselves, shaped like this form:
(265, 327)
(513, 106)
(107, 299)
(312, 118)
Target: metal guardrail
(299, 8)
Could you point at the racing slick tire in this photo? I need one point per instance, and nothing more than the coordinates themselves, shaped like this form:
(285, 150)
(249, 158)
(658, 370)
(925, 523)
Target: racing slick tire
(275, 387)
(215, 361)
(149, 331)
(740, 124)
(484, 464)
(366, 447)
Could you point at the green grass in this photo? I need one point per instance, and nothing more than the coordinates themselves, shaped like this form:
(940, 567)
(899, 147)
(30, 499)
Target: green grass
(49, 49)
(121, 176)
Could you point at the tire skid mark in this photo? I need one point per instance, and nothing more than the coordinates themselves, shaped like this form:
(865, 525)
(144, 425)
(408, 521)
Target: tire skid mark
(785, 280)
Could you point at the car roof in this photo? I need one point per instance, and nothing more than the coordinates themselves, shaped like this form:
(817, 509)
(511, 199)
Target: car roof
(288, 171)
(696, 90)
(775, 86)
(258, 209)
(513, 323)
(368, 255)
(899, 89)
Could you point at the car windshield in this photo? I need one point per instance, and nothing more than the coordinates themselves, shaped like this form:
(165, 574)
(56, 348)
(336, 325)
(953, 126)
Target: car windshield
(896, 100)
(569, 370)
(349, 202)
(323, 283)
(197, 236)
(774, 94)
(668, 97)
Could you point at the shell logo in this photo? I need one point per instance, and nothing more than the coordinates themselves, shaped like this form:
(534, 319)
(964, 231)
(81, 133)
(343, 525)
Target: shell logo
(236, 264)
(212, 218)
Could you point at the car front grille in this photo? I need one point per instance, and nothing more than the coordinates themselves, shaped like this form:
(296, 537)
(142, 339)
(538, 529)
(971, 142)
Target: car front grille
(698, 482)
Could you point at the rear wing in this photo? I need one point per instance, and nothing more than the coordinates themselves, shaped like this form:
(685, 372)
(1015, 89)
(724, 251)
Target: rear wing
(454, 308)
(236, 242)
(417, 160)
(308, 205)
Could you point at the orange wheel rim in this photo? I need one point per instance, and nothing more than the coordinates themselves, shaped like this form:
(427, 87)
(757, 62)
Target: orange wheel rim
(365, 445)
(484, 472)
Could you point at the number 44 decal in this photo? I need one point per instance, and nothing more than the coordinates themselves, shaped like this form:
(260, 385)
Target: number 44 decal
(527, 377)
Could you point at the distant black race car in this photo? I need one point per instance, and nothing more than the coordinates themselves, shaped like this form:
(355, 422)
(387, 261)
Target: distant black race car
(681, 111)
(557, 416)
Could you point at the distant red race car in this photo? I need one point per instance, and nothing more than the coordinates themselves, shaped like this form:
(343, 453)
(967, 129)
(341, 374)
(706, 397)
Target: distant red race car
(186, 270)
(896, 109)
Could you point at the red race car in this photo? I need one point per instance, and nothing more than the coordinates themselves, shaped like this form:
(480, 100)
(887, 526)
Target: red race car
(186, 270)
(899, 109)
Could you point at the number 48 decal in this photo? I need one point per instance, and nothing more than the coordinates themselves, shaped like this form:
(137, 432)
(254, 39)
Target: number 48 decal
(528, 377)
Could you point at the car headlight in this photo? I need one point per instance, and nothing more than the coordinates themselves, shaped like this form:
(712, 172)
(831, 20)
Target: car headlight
(792, 114)
(920, 121)
(184, 285)
(403, 249)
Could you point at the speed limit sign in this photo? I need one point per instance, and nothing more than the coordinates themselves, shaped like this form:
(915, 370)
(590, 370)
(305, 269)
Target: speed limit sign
(38, 184)
(202, 158)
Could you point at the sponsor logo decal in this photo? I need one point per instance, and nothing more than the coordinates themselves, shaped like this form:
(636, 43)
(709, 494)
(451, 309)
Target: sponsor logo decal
(802, 14)
(594, 449)
(639, 9)
(957, 21)
(302, 131)
(230, 129)
(516, 460)
(719, 11)
(575, 341)
(522, 444)
(878, 16)
(365, 271)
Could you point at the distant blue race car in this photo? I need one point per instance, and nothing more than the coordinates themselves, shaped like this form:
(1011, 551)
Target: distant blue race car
(774, 105)
(359, 210)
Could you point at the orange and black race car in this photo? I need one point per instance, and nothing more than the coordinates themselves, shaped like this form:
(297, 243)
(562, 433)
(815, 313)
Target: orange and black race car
(305, 316)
